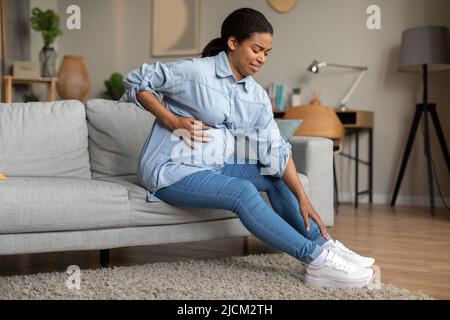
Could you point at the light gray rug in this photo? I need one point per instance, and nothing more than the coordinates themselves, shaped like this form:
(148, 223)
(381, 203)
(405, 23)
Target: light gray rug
(265, 276)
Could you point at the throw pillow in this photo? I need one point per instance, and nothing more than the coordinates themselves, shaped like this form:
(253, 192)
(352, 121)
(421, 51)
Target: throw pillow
(288, 127)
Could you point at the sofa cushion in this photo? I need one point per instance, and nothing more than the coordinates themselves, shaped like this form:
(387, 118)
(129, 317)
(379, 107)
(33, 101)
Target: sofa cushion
(117, 134)
(47, 139)
(145, 213)
(40, 204)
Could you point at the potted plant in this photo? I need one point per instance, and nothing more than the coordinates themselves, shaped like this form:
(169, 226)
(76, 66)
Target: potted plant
(114, 86)
(46, 22)
(32, 97)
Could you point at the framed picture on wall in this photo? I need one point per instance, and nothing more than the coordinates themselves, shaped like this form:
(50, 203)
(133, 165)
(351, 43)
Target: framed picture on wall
(175, 28)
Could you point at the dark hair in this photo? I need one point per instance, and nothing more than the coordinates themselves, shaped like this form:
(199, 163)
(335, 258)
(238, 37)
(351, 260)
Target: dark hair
(241, 23)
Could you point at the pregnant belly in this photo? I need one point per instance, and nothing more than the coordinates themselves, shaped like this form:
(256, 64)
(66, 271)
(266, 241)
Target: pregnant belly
(216, 151)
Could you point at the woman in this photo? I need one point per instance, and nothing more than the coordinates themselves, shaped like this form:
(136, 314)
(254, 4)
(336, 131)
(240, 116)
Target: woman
(215, 96)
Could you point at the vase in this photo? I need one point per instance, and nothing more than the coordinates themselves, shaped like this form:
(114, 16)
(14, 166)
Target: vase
(73, 78)
(47, 59)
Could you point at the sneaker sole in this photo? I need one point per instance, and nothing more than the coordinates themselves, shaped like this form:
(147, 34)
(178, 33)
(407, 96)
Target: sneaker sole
(322, 282)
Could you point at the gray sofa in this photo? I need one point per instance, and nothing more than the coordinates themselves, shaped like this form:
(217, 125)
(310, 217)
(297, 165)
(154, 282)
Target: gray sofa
(72, 185)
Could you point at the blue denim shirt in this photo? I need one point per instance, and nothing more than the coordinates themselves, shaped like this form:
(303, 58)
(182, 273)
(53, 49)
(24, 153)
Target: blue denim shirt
(205, 89)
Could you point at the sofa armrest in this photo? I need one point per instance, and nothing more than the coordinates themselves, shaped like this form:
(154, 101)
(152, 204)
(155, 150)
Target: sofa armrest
(313, 157)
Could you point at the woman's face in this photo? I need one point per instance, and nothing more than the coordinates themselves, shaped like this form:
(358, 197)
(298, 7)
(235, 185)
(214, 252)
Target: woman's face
(248, 57)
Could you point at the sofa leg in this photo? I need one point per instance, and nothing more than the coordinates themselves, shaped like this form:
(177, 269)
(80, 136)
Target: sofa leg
(246, 245)
(104, 258)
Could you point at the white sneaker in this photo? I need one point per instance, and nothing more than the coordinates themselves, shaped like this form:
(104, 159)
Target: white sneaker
(336, 246)
(338, 272)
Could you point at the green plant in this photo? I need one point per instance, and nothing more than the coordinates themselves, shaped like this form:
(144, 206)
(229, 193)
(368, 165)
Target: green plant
(114, 86)
(46, 22)
(30, 97)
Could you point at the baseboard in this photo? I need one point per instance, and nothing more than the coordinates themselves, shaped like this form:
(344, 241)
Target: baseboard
(386, 199)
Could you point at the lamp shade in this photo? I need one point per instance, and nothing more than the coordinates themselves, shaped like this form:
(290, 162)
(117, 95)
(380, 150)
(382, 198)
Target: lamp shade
(318, 120)
(428, 45)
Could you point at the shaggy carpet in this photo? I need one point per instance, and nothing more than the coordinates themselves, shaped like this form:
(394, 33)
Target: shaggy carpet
(263, 276)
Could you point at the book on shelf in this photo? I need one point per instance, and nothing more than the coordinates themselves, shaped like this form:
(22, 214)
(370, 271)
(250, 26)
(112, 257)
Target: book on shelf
(276, 92)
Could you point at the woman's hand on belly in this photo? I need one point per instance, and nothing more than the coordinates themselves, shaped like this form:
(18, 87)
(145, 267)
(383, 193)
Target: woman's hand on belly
(212, 153)
(190, 129)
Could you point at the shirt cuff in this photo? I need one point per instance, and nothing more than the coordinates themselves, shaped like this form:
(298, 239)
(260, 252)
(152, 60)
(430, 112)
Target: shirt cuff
(286, 154)
(278, 161)
(135, 89)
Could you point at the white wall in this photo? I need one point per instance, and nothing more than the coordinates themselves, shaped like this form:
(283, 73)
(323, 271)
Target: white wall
(115, 36)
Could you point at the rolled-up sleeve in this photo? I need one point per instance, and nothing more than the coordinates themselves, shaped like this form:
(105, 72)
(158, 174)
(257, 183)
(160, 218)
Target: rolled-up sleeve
(157, 78)
(273, 149)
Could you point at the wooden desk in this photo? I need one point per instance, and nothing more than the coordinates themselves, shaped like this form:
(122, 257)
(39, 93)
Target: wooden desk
(278, 114)
(10, 80)
(356, 122)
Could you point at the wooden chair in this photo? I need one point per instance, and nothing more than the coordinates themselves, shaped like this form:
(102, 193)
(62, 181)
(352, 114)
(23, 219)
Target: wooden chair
(320, 121)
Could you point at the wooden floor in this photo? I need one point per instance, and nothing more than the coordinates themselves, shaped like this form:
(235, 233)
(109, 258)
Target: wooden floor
(411, 247)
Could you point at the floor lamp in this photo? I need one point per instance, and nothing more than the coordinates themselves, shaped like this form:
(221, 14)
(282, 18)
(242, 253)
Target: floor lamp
(424, 49)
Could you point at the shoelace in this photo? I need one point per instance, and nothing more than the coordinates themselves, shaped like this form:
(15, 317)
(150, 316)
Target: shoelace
(339, 261)
(343, 248)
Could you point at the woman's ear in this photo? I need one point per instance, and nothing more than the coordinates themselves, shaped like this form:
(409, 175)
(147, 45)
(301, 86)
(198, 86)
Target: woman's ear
(232, 43)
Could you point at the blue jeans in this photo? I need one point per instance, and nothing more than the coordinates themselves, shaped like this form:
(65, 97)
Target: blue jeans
(236, 188)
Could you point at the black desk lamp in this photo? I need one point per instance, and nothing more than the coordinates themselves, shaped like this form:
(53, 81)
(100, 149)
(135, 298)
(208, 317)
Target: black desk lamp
(424, 49)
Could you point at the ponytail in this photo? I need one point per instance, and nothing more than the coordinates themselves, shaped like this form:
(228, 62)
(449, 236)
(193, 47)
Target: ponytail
(241, 23)
(213, 48)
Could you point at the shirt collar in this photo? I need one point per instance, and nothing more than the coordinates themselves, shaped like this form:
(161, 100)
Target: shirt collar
(223, 70)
